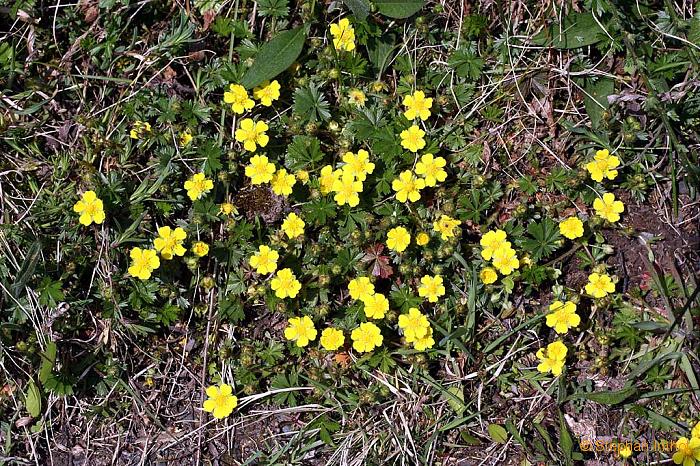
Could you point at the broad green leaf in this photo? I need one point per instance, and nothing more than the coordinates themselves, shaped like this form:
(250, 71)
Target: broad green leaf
(359, 8)
(575, 30)
(399, 8)
(596, 99)
(275, 56)
(565, 440)
(457, 401)
(27, 269)
(609, 398)
(48, 360)
(498, 433)
(33, 400)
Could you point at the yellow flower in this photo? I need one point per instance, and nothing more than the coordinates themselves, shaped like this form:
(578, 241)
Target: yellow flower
(358, 165)
(346, 189)
(431, 168)
(198, 186)
(293, 226)
(267, 92)
(376, 306)
(422, 238)
(491, 242)
(488, 275)
(265, 260)
(185, 138)
(139, 129)
(424, 342)
(414, 324)
(417, 106)
(603, 166)
(360, 288)
(407, 187)
(431, 287)
(343, 35)
(90, 208)
(398, 239)
(625, 450)
(366, 337)
(302, 176)
(237, 96)
(599, 285)
(328, 178)
(252, 134)
(169, 242)
(571, 228)
(221, 401)
(562, 316)
(696, 430)
(552, 359)
(200, 248)
(332, 339)
(259, 170)
(412, 138)
(285, 284)
(505, 260)
(282, 183)
(445, 226)
(143, 262)
(301, 330)
(357, 97)
(608, 208)
(687, 451)
(227, 208)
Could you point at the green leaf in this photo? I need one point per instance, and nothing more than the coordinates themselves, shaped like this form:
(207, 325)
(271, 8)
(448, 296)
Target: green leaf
(33, 400)
(576, 30)
(456, 401)
(359, 8)
(610, 398)
(380, 51)
(545, 238)
(304, 151)
(310, 104)
(498, 433)
(27, 269)
(275, 56)
(566, 442)
(48, 360)
(399, 8)
(596, 99)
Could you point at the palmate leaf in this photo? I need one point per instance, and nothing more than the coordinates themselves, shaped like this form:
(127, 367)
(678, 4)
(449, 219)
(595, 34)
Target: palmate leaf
(304, 151)
(378, 261)
(310, 104)
(544, 238)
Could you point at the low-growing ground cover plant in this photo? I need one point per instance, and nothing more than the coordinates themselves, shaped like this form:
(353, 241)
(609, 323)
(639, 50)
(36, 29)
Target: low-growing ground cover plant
(354, 232)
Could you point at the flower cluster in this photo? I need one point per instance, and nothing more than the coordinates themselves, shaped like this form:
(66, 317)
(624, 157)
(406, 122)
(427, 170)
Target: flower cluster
(688, 449)
(497, 249)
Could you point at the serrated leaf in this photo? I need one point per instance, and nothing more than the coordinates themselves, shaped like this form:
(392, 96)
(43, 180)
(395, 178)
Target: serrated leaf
(33, 400)
(359, 8)
(497, 433)
(399, 8)
(275, 56)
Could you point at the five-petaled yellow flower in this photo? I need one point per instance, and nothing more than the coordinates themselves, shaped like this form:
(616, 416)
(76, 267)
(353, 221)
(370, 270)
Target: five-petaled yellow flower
(185, 138)
(283, 182)
(603, 166)
(424, 342)
(293, 226)
(252, 134)
(687, 451)
(376, 306)
(422, 238)
(417, 106)
(300, 330)
(398, 239)
(143, 262)
(505, 260)
(366, 337)
(562, 316)
(227, 208)
(571, 228)
(332, 339)
(491, 242)
(446, 226)
(358, 165)
(267, 92)
(414, 324)
(431, 288)
(198, 186)
(90, 208)
(237, 96)
(357, 97)
(488, 275)
(343, 35)
(552, 359)
(599, 285)
(360, 288)
(407, 187)
(200, 248)
(265, 260)
(139, 129)
(221, 402)
(260, 169)
(346, 189)
(608, 208)
(169, 242)
(412, 138)
(431, 169)
(328, 178)
(285, 284)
